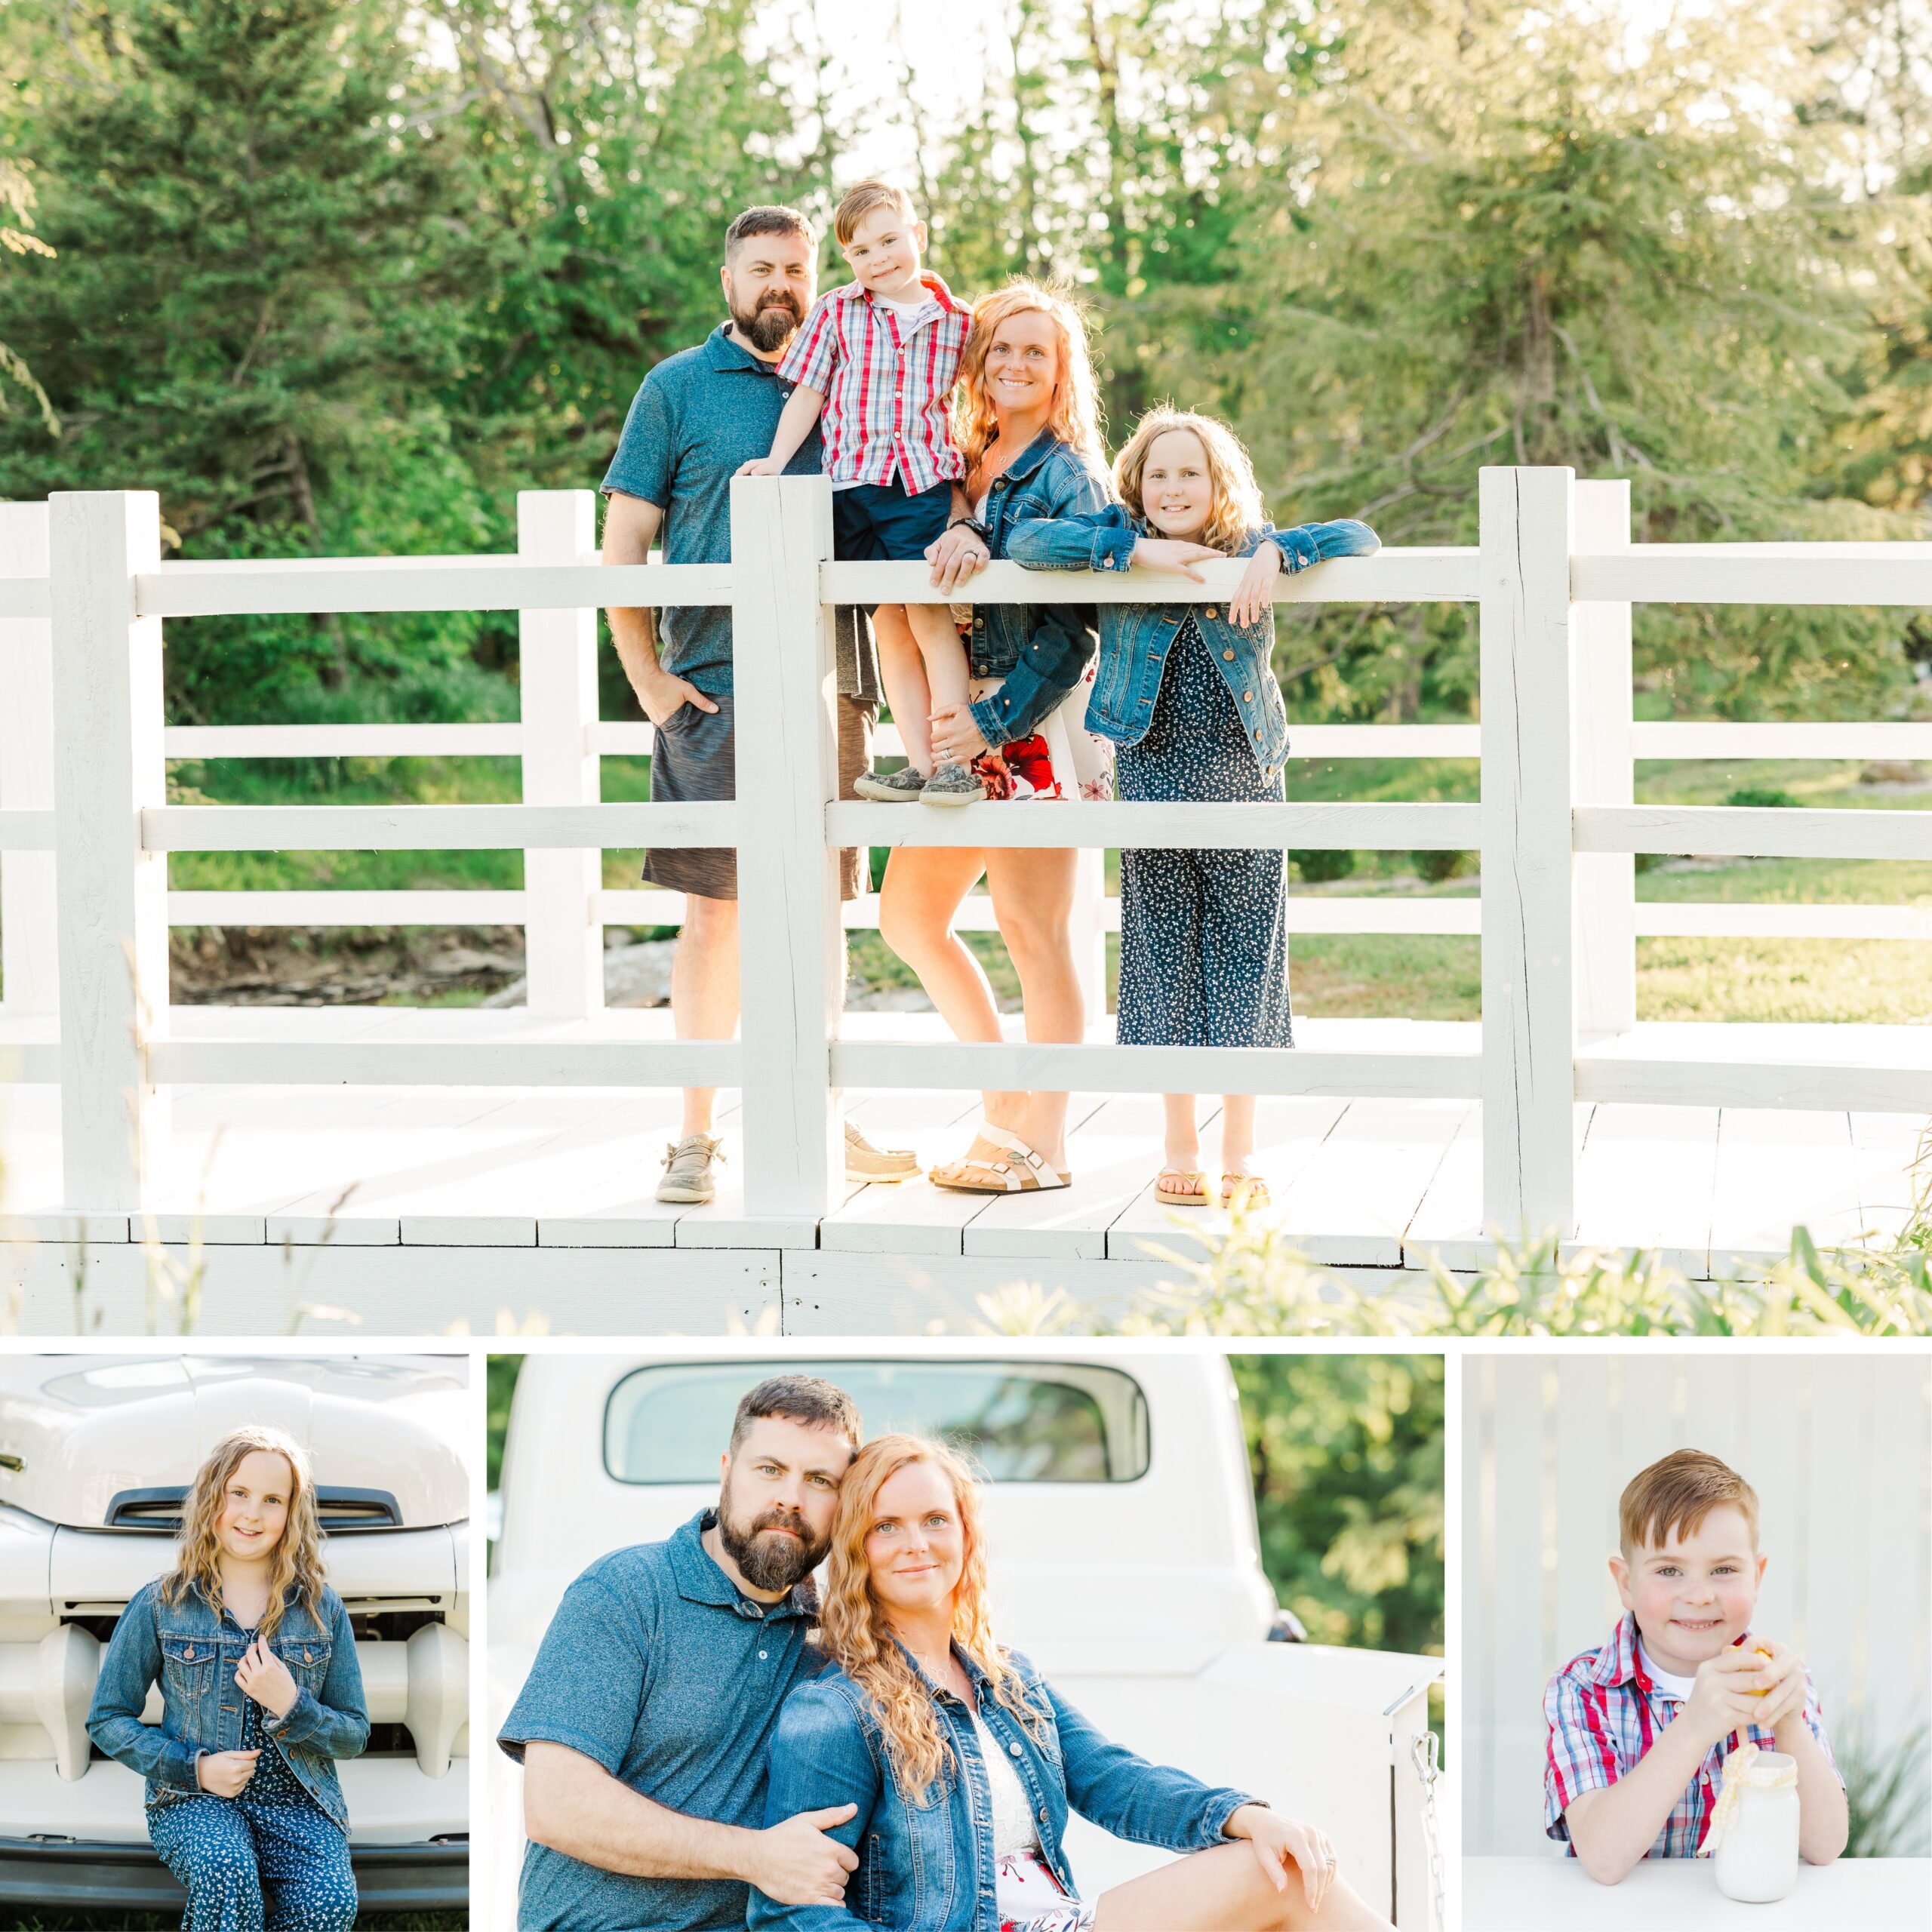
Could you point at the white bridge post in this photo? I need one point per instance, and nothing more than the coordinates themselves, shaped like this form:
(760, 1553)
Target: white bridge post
(1606, 775)
(790, 946)
(111, 893)
(1529, 1033)
(557, 650)
(28, 955)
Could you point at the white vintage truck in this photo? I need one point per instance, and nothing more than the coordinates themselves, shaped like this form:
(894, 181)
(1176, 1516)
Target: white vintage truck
(96, 1452)
(1125, 1556)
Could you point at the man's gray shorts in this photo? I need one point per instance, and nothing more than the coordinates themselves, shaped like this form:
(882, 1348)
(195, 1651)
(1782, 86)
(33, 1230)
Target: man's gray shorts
(693, 761)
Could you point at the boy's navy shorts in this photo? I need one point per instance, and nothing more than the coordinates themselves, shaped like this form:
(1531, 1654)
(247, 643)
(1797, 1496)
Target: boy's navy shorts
(879, 523)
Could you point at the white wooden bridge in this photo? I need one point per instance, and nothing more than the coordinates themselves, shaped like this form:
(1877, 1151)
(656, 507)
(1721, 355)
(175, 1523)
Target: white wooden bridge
(417, 1169)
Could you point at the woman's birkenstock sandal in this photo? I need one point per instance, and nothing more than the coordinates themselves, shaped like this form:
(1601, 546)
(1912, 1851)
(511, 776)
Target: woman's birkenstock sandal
(1248, 1191)
(1013, 1168)
(1194, 1195)
(984, 1150)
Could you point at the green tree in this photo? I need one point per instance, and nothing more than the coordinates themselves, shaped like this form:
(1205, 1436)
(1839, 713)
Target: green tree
(1491, 238)
(610, 153)
(251, 311)
(1348, 1464)
(18, 238)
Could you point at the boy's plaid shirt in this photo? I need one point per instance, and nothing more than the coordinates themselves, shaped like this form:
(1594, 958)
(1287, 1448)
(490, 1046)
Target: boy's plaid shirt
(1604, 1713)
(886, 396)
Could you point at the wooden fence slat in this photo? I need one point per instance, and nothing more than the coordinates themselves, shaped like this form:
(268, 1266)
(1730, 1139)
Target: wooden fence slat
(1528, 937)
(1761, 831)
(1606, 882)
(557, 682)
(111, 892)
(431, 828)
(1429, 827)
(790, 949)
(28, 957)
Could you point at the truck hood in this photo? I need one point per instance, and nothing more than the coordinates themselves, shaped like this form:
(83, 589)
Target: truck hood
(113, 1441)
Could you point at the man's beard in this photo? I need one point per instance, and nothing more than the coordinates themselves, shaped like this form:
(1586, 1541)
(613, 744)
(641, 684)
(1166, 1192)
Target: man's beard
(769, 326)
(773, 1565)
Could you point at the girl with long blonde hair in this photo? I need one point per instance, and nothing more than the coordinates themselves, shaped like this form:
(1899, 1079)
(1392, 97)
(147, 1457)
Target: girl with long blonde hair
(1187, 692)
(260, 1694)
(1027, 420)
(962, 1763)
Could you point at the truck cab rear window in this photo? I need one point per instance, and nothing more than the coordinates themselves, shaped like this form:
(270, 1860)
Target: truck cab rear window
(1020, 1421)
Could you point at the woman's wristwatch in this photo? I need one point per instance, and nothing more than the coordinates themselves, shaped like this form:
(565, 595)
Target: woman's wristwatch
(973, 523)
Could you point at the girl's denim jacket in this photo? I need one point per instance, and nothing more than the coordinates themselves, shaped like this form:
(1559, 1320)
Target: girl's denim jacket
(1039, 649)
(1135, 638)
(926, 1863)
(193, 1650)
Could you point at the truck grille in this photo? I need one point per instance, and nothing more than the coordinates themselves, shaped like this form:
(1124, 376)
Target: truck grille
(341, 1511)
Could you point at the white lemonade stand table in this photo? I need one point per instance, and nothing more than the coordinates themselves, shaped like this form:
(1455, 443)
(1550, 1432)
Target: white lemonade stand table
(1538, 1894)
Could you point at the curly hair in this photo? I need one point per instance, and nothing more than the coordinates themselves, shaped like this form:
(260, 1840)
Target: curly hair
(297, 1557)
(1236, 510)
(856, 1635)
(1076, 413)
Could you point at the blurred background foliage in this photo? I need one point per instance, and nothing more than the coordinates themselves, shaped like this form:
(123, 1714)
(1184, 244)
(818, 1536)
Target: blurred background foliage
(342, 275)
(1347, 1455)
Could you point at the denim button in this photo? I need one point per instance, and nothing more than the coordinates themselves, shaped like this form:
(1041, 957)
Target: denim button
(1229, 655)
(1248, 697)
(1014, 1748)
(1212, 612)
(761, 1656)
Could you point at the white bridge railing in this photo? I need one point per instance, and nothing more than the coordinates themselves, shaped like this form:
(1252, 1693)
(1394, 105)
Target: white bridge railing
(85, 827)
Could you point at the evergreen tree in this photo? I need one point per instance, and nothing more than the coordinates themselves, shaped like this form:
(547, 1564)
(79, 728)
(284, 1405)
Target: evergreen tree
(252, 312)
(1490, 239)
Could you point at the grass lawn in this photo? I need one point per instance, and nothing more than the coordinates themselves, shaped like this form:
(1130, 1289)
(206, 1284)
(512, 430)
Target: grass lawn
(1338, 975)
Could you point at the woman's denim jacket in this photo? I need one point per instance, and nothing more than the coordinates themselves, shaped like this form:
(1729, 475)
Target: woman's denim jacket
(1135, 638)
(926, 1864)
(1039, 649)
(193, 1650)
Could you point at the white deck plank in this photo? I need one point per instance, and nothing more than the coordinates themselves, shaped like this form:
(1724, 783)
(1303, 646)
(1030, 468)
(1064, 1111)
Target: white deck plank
(908, 1216)
(1647, 1179)
(1777, 1169)
(1354, 1201)
(1111, 1153)
(1448, 1222)
(1885, 1147)
(1288, 1133)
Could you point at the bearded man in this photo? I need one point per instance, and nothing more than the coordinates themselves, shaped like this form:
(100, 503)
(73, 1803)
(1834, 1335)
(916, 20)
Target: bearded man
(699, 416)
(643, 1725)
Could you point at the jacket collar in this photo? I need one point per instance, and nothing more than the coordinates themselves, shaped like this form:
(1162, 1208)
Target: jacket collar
(700, 1580)
(1036, 453)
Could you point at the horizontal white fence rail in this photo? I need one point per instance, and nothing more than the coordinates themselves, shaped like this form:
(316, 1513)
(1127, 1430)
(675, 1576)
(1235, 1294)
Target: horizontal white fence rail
(86, 827)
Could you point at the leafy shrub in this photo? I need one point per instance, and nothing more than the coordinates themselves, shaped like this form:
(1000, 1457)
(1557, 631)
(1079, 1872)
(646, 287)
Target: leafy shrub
(1321, 868)
(1760, 795)
(1437, 867)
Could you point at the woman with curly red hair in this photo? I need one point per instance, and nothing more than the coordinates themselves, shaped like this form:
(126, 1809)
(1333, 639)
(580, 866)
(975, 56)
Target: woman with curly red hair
(963, 1763)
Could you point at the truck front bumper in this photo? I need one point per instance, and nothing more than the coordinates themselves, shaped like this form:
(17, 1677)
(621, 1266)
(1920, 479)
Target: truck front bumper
(71, 1875)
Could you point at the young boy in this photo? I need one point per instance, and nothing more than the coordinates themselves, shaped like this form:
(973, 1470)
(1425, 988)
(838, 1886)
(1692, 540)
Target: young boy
(1639, 1731)
(878, 358)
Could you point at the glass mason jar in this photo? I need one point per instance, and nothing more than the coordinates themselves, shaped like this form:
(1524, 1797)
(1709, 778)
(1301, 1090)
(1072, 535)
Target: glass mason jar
(1756, 1858)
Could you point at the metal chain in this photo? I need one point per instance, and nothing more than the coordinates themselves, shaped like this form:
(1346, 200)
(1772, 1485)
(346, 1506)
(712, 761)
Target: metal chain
(1422, 1755)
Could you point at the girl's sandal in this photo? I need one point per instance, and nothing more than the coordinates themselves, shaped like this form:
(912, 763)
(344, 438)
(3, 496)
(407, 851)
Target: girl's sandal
(1009, 1166)
(1193, 1194)
(1248, 1191)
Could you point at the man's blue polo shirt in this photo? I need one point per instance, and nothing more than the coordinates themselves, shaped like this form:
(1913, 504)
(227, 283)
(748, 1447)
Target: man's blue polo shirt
(696, 419)
(658, 1668)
